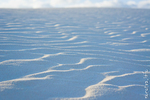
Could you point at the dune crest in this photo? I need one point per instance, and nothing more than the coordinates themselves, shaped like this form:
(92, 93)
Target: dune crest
(74, 54)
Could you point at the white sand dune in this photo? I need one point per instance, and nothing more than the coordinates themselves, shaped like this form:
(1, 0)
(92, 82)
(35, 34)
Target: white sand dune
(74, 54)
(134, 32)
(73, 38)
(144, 34)
(11, 61)
(138, 50)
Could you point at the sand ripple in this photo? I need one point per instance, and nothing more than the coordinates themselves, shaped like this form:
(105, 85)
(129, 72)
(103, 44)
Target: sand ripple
(74, 54)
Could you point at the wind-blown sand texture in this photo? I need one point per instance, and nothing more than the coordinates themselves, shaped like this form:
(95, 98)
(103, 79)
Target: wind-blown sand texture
(74, 54)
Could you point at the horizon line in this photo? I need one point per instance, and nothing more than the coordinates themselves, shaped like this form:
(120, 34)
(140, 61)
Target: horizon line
(75, 8)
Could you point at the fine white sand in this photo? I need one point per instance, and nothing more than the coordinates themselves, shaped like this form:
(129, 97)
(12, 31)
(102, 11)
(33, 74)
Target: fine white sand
(74, 54)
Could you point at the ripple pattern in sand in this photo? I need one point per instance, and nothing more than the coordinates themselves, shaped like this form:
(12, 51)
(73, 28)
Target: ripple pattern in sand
(74, 54)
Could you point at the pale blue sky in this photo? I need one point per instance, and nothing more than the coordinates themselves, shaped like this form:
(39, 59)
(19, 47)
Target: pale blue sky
(73, 3)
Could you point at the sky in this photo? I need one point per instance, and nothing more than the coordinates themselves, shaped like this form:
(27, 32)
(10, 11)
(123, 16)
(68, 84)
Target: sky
(74, 3)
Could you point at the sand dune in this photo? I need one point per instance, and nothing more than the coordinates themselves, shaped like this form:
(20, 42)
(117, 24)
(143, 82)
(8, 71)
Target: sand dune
(74, 54)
